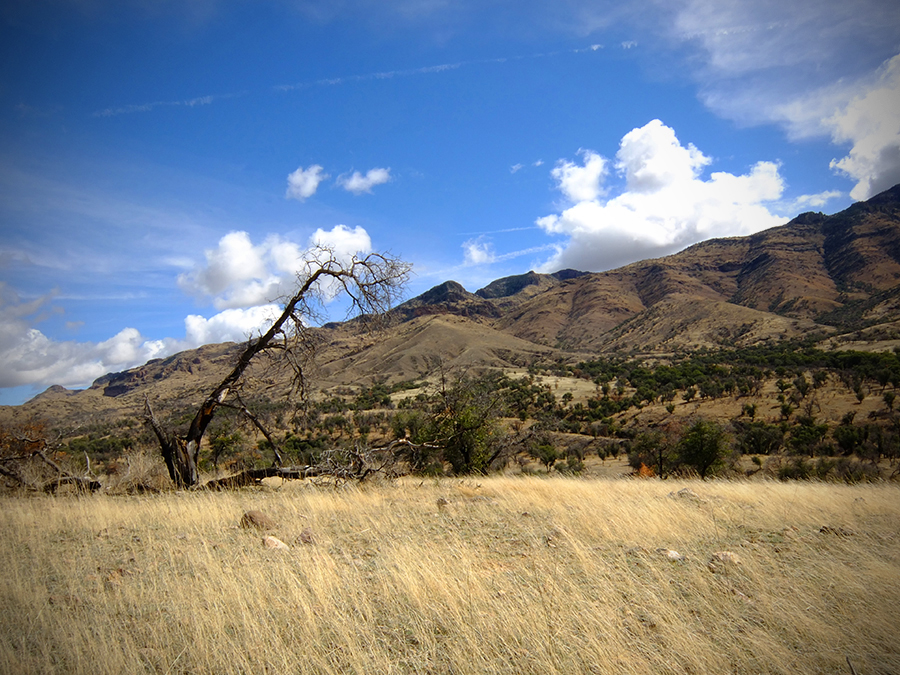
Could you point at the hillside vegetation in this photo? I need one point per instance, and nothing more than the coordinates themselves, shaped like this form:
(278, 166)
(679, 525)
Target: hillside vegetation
(789, 411)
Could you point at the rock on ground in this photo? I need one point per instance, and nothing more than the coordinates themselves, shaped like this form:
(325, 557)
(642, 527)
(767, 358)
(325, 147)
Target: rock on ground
(275, 544)
(257, 520)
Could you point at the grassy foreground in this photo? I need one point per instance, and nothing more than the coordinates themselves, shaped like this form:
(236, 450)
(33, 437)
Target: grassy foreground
(505, 575)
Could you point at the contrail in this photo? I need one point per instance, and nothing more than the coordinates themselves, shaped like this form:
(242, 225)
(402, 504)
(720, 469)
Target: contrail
(334, 81)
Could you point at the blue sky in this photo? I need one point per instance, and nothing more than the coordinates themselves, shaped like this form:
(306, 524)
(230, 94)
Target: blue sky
(165, 165)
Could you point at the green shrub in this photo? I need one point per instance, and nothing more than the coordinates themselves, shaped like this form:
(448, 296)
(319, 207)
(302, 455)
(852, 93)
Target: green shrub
(704, 448)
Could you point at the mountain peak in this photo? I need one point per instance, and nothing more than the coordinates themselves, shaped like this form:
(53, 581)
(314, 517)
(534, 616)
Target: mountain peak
(449, 297)
(508, 286)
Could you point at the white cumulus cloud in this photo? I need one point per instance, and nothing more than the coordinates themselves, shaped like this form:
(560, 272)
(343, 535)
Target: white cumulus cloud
(241, 278)
(358, 183)
(303, 183)
(230, 325)
(478, 252)
(870, 122)
(343, 241)
(29, 357)
(240, 274)
(816, 67)
(237, 273)
(581, 183)
(665, 206)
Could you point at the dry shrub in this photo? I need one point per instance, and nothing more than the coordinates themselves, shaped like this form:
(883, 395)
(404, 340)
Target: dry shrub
(137, 471)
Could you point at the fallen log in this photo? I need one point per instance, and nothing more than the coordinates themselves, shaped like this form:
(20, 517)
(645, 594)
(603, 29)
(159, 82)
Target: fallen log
(252, 476)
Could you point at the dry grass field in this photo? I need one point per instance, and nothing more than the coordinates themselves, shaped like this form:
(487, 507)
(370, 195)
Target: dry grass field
(502, 575)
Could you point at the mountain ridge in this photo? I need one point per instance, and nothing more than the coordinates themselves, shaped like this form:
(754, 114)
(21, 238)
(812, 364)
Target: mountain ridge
(834, 279)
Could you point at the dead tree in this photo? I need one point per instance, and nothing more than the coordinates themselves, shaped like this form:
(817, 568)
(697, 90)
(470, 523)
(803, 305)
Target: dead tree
(372, 283)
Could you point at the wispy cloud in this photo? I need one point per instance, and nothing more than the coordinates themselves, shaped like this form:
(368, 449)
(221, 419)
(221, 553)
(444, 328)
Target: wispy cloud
(381, 75)
(518, 166)
(503, 231)
(426, 70)
(114, 111)
(481, 251)
(533, 250)
(147, 107)
(54, 223)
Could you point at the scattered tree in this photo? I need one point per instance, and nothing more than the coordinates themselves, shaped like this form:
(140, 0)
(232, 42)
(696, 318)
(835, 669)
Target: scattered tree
(704, 447)
(654, 449)
(758, 438)
(807, 436)
(463, 423)
(546, 453)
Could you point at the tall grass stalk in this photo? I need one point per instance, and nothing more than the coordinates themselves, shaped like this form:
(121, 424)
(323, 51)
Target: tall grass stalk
(511, 575)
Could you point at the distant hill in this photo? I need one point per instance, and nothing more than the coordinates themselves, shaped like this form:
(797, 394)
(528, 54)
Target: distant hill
(836, 278)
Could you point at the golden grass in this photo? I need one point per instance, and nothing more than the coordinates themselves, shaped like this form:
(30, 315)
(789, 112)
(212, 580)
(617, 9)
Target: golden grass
(510, 575)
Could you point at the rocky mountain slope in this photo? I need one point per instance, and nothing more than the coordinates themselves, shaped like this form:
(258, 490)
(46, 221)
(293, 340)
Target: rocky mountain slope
(816, 274)
(833, 277)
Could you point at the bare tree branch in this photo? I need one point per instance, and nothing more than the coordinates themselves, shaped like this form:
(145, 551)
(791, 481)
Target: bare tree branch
(18, 452)
(371, 282)
(259, 425)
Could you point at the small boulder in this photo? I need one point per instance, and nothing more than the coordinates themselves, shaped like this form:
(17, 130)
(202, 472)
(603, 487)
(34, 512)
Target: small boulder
(727, 557)
(723, 559)
(257, 520)
(275, 544)
(669, 554)
(306, 536)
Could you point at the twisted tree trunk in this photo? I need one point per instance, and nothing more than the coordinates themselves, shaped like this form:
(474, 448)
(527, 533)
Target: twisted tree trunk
(371, 282)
